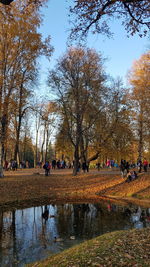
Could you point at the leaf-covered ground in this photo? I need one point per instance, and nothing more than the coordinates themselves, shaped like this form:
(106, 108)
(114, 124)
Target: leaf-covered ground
(30, 187)
(116, 249)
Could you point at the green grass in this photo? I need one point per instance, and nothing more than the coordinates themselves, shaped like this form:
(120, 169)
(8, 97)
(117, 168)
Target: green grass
(116, 249)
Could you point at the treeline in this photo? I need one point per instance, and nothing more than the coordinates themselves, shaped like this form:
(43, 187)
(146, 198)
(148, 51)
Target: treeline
(99, 118)
(91, 116)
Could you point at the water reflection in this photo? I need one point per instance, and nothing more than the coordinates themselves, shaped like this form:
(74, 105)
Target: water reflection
(33, 234)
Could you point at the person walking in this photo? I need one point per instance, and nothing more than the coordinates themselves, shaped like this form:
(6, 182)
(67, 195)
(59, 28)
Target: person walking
(47, 168)
(123, 167)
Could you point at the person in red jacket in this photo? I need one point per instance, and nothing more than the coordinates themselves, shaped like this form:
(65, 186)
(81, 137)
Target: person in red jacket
(145, 165)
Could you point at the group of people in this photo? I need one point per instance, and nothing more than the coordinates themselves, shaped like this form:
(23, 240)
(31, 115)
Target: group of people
(56, 164)
(131, 175)
(143, 165)
(124, 167)
(59, 164)
(62, 165)
(11, 165)
(126, 172)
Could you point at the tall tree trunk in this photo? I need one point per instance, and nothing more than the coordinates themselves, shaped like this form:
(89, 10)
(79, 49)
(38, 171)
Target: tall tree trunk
(1, 161)
(42, 148)
(1, 157)
(36, 148)
(140, 133)
(24, 148)
(140, 145)
(36, 140)
(18, 125)
(76, 160)
(82, 150)
(2, 142)
(47, 142)
(16, 152)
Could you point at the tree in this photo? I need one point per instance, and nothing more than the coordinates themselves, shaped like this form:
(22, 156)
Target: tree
(20, 46)
(139, 78)
(26, 152)
(6, 2)
(78, 82)
(28, 2)
(96, 15)
(119, 112)
(63, 145)
(48, 122)
(45, 115)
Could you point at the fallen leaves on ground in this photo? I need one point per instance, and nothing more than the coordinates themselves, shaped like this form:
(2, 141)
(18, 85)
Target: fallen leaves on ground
(122, 248)
(24, 188)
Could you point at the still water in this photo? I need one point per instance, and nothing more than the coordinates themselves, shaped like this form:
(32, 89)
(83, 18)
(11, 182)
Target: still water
(32, 234)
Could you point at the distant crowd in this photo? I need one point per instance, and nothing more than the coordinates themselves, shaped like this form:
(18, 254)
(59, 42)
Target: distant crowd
(127, 168)
(13, 165)
(62, 165)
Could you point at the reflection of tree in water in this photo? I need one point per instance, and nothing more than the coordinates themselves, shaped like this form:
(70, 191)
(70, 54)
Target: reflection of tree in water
(45, 214)
(70, 219)
(109, 217)
(22, 232)
(89, 220)
(64, 219)
(80, 215)
(14, 238)
(43, 234)
(8, 239)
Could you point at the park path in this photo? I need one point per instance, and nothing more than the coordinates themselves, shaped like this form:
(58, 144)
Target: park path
(37, 171)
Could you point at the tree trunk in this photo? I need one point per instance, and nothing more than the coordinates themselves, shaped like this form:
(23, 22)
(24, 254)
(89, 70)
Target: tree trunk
(140, 145)
(16, 153)
(140, 134)
(76, 160)
(42, 148)
(47, 142)
(2, 141)
(36, 148)
(18, 127)
(82, 150)
(1, 161)
(94, 157)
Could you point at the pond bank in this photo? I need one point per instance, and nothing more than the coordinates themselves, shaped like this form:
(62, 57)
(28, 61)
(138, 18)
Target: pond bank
(29, 187)
(122, 248)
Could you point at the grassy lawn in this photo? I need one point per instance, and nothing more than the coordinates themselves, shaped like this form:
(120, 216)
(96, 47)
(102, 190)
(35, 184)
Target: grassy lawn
(116, 249)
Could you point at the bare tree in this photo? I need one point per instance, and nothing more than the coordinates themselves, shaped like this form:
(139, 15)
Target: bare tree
(78, 82)
(97, 15)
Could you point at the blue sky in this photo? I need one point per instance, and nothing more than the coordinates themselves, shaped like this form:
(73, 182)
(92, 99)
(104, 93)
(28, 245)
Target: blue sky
(119, 51)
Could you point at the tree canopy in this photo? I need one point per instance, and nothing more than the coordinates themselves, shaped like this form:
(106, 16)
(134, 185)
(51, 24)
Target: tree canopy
(78, 83)
(6, 2)
(97, 15)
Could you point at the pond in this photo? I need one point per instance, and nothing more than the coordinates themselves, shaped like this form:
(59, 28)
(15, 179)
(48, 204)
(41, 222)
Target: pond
(33, 234)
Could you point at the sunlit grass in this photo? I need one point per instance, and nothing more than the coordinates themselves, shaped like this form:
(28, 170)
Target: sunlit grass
(116, 249)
